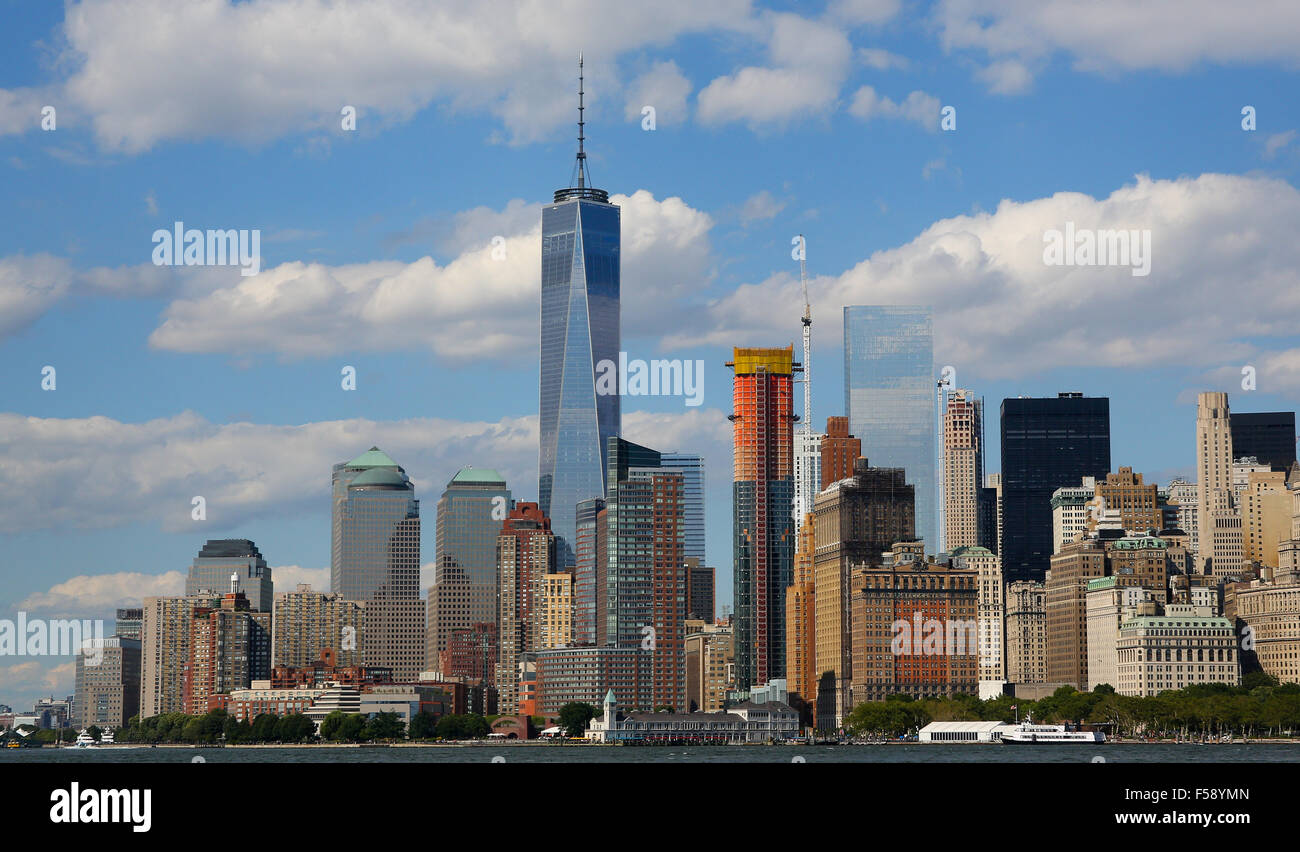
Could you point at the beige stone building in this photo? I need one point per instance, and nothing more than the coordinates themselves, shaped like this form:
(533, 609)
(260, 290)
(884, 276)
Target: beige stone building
(1265, 516)
(990, 609)
(962, 463)
(165, 650)
(1218, 525)
(1026, 632)
(1175, 650)
(1108, 606)
(308, 622)
(555, 627)
(710, 665)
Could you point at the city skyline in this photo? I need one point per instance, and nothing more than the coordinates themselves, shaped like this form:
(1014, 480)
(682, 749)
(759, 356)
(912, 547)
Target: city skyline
(169, 389)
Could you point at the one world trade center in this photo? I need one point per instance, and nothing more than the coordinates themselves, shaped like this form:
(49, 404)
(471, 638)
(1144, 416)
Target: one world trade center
(580, 328)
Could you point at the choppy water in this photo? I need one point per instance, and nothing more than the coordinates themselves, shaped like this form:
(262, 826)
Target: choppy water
(986, 753)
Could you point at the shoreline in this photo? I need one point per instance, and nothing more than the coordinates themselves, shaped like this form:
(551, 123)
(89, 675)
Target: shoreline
(579, 744)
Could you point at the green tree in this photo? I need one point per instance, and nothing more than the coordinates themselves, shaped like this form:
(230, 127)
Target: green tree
(574, 717)
(384, 726)
(95, 732)
(264, 728)
(423, 725)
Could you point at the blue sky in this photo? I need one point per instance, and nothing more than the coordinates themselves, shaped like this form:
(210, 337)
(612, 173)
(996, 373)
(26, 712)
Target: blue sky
(771, 120)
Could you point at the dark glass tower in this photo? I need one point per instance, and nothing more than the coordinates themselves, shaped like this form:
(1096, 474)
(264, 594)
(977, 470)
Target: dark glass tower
(1046, 444)
(1267, 435)
(219, 558)
(580, 328)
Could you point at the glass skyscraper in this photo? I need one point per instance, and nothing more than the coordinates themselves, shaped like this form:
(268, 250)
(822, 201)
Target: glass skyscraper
(889, 396)
(470, 514)
(1047, 443)
(692, 467)
(579, 329)
(376, 559)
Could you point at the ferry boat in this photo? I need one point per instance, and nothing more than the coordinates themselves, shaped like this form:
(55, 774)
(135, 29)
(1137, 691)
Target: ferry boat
(1027, 733)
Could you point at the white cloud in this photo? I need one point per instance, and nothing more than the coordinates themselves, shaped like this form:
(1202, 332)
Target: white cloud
(483, 303)
(36, 678)
(287, 577)
(89, 595)
(1277, 142)
(809, 63)
(146, 71)
(663, 87)
(96, 472)
(1119, 35)
(881, 60)
(918, 106)
(1222, 273)
(863, 11)
(759, 207)
(1007, 77)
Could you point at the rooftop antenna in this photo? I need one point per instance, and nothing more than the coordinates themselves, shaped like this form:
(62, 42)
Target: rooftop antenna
(580, 184)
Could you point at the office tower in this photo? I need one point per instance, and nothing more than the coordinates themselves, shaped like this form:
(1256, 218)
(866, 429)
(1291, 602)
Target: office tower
(525, 554)
(1183, 496)
(692, 468)
(128, 623)
(800, 620)
(165, 651)
(990, 608)
(986, 523)
(306, 623)
(1046, 443)
(993, 483)
(579, 329)
(1026, 632)
(1267, 435)
(588, 577)
(762, 501)
(107, 682)
(1108, 606)
(376, 559)
(1065, 589)
(1070, 511)
(963, 468)
(646, 583)
(472, 653)
(220, 558)
(470, 513)
(856, 521)
(1214, 485)
(230, 647)
(915, 629)
(710, 659)
(700, 584)
(1265, 516)
(839, 451)
(889, 395)
(1138, 503)
(1138, 561)
(555, 627)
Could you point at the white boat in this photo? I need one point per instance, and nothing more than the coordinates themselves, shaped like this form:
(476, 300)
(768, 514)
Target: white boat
(106, 738)
(84, 740)
(1028, 733)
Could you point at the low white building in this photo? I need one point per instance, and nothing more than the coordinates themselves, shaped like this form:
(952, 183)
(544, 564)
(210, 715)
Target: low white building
(748, 722)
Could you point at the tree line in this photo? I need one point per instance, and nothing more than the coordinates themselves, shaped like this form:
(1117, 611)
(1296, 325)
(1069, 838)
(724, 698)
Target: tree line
(219, 726)
(1259, 707)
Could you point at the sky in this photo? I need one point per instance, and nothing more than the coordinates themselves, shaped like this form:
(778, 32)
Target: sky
(408, 248)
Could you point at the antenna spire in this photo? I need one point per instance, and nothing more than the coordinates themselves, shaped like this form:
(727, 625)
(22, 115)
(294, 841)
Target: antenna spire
(582, 156)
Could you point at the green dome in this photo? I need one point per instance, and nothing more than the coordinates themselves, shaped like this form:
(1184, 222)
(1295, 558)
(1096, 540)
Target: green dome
(379, 476)
(373, 457)
(477, 475)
